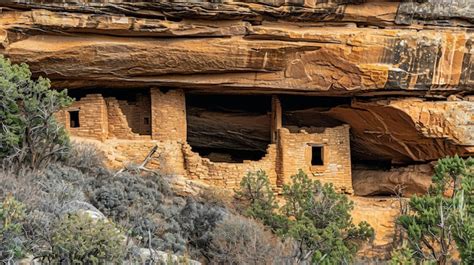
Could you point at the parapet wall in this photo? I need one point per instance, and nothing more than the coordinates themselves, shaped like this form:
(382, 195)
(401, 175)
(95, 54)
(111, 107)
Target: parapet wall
(228, 175)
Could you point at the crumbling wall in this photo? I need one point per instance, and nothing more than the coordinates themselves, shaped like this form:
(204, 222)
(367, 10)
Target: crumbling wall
(111, 118)
(117, 121)
(295, 153)
(228, 175)
(93, 118)
(138, 114)
(168, 158)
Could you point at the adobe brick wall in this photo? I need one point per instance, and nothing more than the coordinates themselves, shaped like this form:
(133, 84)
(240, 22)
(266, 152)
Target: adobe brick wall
(168, 115)
(93, 117)
(295, 151)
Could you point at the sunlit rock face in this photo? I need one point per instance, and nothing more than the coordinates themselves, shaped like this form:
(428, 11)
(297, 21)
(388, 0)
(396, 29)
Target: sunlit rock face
(400, 74)
(404, 68)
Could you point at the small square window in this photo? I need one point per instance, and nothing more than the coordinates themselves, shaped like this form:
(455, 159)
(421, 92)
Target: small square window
(146, 121)
(317, 154)
(74, 119)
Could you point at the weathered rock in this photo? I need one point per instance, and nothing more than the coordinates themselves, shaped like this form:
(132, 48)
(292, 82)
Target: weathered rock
(160, 257)
(82, 208)
(404, 181)
(240, 46)
(82, 45)
(381, 214)
(404, 68)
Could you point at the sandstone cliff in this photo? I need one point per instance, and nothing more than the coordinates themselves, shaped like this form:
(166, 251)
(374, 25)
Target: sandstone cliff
(401, 74)
(420, 52)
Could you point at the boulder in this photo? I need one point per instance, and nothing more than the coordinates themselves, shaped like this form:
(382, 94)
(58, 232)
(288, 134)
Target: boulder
(404, 181)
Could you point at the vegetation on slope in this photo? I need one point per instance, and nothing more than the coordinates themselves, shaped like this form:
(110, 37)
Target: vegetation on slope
(440, 222)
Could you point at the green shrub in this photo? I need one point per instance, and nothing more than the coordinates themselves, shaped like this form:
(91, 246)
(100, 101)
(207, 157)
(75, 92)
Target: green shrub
(402, 256)
(314, 216)
(79, 239)
(29, 134)
(445, 216)
(258, 198)
(12, 214)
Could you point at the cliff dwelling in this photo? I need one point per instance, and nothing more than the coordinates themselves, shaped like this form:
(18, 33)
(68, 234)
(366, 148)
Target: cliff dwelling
(366, 95)
(217, 138)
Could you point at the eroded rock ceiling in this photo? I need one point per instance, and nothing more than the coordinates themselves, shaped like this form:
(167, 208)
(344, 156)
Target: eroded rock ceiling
(411, 62)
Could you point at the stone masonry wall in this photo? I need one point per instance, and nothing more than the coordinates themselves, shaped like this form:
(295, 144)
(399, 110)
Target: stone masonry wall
(228, 175)
(93, 118)
(168, 159)
(291, 152)
(138, 114)
(168, 115)
(295, 151)
(117, 121)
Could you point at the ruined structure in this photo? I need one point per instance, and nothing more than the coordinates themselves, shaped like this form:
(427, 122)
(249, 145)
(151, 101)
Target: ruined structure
(158, 116)
(363, 94)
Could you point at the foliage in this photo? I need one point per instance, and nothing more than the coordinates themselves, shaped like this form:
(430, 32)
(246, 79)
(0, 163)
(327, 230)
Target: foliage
(197, 220)
(444, 216)
(86, 158)
(153, 215)
(315, 216)
(402, 256)
(259, 199)
(29, 133)
(12, 214)
(114, 196)
(79, 239)
(239, 240)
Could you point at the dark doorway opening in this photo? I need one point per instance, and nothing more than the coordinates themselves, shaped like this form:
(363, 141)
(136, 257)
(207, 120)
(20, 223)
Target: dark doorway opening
(74, 119)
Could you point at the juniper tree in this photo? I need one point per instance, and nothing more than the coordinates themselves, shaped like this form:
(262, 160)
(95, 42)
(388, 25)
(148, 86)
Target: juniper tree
(444, 217)
(29, 133)
(315, 216)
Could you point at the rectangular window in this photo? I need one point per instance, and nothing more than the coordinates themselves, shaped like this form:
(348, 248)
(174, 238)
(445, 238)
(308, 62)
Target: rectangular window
(146, 121)
(317, 154)
(74, 119)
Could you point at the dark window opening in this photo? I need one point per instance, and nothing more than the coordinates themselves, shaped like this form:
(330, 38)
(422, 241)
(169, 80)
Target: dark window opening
(74, 119)
(317, 155)
(146, 121)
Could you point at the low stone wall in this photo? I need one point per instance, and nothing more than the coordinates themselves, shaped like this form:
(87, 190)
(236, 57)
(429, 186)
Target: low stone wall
(228, 175)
